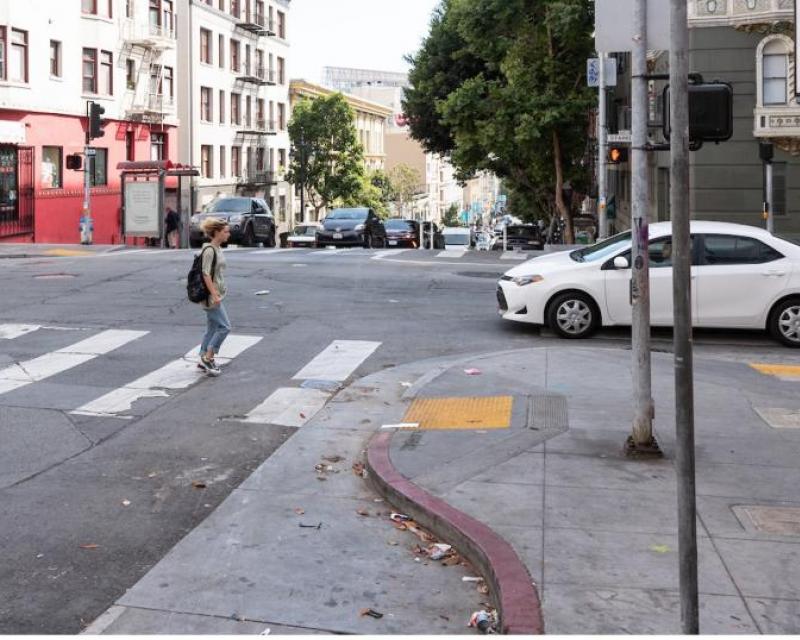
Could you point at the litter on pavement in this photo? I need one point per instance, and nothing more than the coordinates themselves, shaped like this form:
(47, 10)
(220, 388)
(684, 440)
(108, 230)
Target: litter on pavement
(473, 372)
(264, 292)
(401, 425)
(483, 621)
(371, 613)
(398, 517)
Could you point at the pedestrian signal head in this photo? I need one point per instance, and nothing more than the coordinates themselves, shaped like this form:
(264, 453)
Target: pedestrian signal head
(617, 155)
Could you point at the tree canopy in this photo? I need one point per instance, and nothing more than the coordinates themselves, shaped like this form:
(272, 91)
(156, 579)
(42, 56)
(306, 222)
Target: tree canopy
(327, 160)
(499, 85)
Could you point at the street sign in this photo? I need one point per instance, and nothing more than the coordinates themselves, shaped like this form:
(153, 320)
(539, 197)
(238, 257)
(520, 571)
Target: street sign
(593, 72)
(623, 136)
(91, 152)
(613, 25)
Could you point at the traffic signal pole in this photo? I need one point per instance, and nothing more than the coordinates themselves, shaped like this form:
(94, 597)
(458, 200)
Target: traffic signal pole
(602, 152)
(641, 442)
(86, 213)
(682, 310)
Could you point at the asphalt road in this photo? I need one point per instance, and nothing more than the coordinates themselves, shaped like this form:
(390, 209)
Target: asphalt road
(88, 503)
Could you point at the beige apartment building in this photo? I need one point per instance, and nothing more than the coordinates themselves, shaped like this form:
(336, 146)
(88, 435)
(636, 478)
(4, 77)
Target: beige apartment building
(370, 122)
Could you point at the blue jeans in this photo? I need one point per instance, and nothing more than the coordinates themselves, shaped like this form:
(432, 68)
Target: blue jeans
(219, 326)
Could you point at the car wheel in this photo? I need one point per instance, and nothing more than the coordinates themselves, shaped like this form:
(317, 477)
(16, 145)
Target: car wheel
(249, 237)
(784, 322)
(573, 315)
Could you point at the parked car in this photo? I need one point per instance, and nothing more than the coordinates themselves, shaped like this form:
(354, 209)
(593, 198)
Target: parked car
(525, 237)
(742, 277)
(358, 226)
(250, 221)
(457, 238)
(303, 235)
(402, 233)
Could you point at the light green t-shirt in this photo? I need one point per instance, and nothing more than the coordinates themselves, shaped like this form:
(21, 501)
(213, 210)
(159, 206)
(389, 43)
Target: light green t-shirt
(218, 277)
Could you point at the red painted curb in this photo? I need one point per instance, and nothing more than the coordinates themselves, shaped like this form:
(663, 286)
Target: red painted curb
(516, 597)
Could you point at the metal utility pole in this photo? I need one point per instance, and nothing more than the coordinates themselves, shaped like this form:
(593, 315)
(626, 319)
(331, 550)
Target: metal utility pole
(768, 205)
(602, 152)
(642, 438)
(682, 309)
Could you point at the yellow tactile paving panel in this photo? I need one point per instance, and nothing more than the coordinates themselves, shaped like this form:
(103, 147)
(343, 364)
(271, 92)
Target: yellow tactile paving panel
(492, 412)
(778, 370)
(67, 253)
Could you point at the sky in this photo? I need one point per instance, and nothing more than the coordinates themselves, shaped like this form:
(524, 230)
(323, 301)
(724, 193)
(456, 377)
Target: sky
(365, 34)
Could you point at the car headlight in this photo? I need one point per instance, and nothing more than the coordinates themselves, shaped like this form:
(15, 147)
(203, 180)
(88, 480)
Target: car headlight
(521, 281)
(360, 227)
(235, 219)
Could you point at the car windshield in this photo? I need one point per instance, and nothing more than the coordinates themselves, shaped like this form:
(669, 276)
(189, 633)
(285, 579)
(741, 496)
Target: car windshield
(348, 214)
(520, 232)
(602, 250)
(456, 238)
(399, 224)
(231, 205)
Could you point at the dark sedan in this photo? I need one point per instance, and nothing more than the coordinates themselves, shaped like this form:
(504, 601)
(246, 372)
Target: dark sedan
(521, 236)
(249, 219)
(402, 233)
(357, 226)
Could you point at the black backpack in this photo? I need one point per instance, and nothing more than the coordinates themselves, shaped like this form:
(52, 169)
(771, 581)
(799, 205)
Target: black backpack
(195, 285)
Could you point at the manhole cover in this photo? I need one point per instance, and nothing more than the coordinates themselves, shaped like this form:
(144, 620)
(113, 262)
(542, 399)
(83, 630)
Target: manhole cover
(53, 276)
(784, 521)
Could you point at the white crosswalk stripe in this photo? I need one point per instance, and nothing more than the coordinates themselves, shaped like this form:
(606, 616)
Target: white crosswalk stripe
(513, 255)
(274, 252)
(55, 362)
(338, 361)
(289, 407)
(452, 253)
(178, 374)
(11, 331)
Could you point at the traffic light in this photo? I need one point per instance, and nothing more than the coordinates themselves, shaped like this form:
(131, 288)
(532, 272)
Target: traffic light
(710, 112)
(617, 154)
(95, 122)
(74, 162)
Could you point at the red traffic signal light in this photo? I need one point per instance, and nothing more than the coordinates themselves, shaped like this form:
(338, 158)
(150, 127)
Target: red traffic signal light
(617, 154)
(95, 121)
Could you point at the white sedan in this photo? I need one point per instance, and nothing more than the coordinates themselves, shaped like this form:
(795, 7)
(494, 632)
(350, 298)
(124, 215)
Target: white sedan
(742, 277)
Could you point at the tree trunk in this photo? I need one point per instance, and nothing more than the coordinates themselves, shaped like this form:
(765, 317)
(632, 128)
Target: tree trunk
(564, 208)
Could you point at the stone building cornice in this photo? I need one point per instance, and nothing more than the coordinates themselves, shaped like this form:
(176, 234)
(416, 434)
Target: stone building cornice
(739, 13)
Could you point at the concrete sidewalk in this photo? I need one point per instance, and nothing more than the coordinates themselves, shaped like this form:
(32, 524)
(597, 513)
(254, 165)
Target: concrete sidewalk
(547, 498)
(10, 250)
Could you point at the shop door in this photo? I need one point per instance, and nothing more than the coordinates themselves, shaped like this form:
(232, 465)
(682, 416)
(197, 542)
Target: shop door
(16, 190)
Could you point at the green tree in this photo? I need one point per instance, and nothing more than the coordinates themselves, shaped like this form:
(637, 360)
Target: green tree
(450, 217)
(327, 158)
(406, 182)
(514, 102)
(374, 192)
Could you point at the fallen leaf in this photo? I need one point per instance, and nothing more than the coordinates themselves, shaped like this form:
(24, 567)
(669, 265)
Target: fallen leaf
(299, 511)
(451, 561)
(400, 525)
(363, 512)
(302, 415)
(333, 459)
(126, 503)
(473, 372)
(199, 484)
(660, 548)
(392, 543)
(359, 469)
(152, 474)
(321, 478)
(90, 546)
(371, 613)
(483, 588)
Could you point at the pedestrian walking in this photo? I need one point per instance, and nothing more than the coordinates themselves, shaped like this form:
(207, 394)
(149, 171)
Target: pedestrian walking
(213, 264)
(172, 226)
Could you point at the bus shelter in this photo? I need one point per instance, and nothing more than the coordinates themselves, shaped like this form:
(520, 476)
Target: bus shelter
(145, 195)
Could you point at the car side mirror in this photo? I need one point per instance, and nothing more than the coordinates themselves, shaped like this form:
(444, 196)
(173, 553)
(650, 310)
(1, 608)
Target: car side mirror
(621, 262)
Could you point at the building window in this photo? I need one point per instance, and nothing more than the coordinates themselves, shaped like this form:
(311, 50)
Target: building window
(18, 58)
(130, 74)
(247, 111)
(221, 52)
(221, 107)
(129, 8)
(235, 9)
(168, 21)
(281, 71)
(130, 146)
(282, 25)
(106, 73)
(205, 104)
(205, 160)
(158, 144)
(89, 6)
(772, 70)
(55, 58)
(260, 113)
(222, 162)
(2, 53)
(260, 159)
(98, 174)
(281, 116)
(281, 159)
(234, 55)
(282, 208)
(51, 168)
(205, 46)
(169, 83)
(155, 16)
(236, 162)
(90, 70)
(236, 101)
(775, 79)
